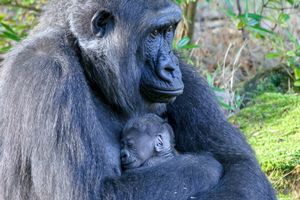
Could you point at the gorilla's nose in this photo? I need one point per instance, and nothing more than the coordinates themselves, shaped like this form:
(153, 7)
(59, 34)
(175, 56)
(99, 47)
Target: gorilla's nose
(166, 69)
(124, 155)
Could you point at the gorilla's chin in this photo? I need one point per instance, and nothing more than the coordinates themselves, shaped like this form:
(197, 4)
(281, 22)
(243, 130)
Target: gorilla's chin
(160, 95)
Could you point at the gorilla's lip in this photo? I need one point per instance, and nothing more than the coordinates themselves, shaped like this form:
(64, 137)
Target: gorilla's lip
(128, 164)
(175, 92)
(161, 94)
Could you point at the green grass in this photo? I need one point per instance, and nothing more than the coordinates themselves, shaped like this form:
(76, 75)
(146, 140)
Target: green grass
(272, 126)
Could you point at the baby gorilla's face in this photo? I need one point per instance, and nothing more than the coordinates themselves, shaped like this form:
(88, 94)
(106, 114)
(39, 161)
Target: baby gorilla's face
(136, 148)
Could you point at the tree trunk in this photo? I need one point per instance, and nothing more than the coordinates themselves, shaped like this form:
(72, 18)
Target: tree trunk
(190, 12)
(186, 27)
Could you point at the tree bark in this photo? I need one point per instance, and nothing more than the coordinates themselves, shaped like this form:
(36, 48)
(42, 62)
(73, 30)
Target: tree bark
(186, 27)
(190, 13)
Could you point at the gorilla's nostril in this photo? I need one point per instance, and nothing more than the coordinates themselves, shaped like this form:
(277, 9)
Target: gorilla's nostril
(169, 68)
(166, 71)
(123, 155)
(170, 71)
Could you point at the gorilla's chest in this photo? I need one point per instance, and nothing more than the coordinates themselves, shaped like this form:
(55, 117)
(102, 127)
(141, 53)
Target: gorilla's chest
(111, 145)
(108, 141)
(112, 164)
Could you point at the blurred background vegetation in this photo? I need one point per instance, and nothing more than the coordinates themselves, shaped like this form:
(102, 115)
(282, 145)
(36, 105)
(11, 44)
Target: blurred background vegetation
(249, 52)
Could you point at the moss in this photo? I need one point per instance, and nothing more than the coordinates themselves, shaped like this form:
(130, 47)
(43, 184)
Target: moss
(272, 126)
(275, 79)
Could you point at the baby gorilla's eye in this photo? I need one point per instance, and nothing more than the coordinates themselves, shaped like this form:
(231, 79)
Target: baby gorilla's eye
(130, 145)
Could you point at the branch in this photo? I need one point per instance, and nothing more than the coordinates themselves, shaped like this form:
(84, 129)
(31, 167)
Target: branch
(17, 5)
(282, 8)
(239, 7)
(190, 11)
(245, 35)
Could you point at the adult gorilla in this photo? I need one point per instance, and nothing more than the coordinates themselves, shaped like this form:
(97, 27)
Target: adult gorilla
(86, 69)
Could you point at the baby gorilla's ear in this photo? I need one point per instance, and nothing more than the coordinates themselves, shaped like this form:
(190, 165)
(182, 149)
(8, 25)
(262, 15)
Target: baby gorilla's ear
(159, 143)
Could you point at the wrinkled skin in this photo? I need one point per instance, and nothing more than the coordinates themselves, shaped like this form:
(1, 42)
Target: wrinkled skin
(136, 149)
(146, 141)
(88, 67)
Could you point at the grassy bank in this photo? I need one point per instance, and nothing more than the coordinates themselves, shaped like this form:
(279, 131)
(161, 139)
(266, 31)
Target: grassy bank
(272, 126)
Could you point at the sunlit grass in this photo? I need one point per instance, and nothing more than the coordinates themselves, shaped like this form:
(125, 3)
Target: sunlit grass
(272, 127)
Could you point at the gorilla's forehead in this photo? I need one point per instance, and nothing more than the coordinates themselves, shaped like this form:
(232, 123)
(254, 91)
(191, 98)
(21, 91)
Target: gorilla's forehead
(148, 11)
(131, 15)
(149, 4)
(136, 9)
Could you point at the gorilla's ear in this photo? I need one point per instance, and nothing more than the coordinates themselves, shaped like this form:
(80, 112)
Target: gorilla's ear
(159, 143)
(102, 23)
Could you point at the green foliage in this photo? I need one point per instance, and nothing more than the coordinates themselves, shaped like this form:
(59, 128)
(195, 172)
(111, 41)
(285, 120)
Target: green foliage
(270, 22)
(271, 125)
(275, 80)
(16, 19)
(184, 44)
(232, 106)
(180, 2)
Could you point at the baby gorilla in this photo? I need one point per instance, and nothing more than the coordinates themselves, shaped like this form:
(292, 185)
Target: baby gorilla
(147, 153)
(146, 141)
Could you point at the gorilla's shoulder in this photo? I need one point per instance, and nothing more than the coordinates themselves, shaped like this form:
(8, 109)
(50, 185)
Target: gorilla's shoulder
(48, 52)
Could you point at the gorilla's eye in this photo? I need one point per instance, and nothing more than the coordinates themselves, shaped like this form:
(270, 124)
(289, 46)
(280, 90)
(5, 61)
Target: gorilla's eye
(170, 28)
(154, 33)
(102, 22)
(130, 145)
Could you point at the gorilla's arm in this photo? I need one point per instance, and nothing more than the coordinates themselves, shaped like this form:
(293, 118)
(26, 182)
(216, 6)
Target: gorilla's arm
(48, 134)
(176, 179)
(200, 125)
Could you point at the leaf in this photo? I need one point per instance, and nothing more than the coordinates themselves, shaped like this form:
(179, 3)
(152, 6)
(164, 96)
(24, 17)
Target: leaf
(184, 41)
(8, 28)
(5, 49)
(293, 39)
(191, 46)
(230, 13)
(292, 2)
(252, 22)
(255, 16)
(297, 73)
(241, 25)
(283, 17)
(210, 80)
(291, 53)
(297, 83)
(272, 55)
(260, 30)
(216, 89)
(225, 105)
(11, 36)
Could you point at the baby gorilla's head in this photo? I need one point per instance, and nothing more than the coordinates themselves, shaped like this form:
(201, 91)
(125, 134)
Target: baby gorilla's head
(144, 138)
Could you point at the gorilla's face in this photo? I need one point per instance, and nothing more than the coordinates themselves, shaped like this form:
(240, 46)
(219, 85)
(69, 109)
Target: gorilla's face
(161, 79)
(136, 149)
(128, 45)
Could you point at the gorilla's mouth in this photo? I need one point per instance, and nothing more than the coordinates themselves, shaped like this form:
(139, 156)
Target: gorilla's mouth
(128, 165)
(174, 93)
(161, 95)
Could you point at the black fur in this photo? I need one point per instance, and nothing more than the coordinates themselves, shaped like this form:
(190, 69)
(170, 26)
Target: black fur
(65, 95)
(175, 179)
(202, 126)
